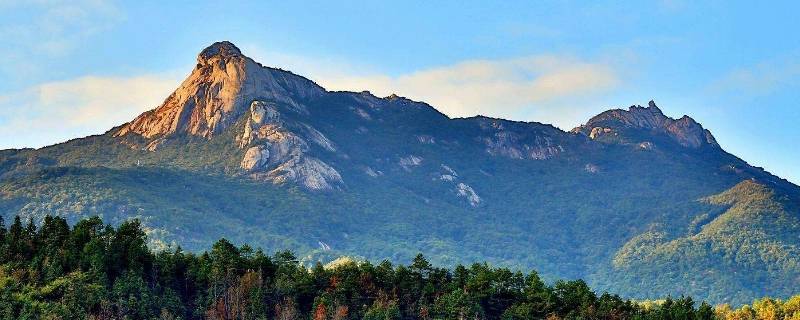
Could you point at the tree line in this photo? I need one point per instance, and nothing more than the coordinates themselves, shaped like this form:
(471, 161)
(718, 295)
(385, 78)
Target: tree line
(95, 271)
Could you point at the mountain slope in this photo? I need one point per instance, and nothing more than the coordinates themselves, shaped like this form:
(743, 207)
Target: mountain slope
(749, 230)
(263, 156)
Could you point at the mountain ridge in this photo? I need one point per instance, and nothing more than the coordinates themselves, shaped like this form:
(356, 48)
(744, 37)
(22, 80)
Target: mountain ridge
(214, 96)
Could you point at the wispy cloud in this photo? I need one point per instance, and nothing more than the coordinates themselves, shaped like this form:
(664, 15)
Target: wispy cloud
(53, 112)
(486, 86)
(49, 28)
(534, 85)
(761, 79)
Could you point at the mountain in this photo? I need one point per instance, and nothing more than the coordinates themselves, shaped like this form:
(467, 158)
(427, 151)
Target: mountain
(633, 201)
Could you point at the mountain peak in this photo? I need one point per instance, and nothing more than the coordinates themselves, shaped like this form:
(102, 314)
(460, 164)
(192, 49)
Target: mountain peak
(652, 105)
(685, 130)
(222, 49)
(393, 96)
(651, 115)
(217, 92)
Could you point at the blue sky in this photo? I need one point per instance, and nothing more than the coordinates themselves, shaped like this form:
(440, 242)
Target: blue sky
(73, 68)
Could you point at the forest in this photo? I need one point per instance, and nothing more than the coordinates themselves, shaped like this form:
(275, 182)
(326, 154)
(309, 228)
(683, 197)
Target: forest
(92, 270)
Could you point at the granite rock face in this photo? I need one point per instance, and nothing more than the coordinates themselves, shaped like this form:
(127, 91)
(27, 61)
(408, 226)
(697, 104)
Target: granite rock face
(519, 140)
(467, 192)
(227, 87)
(685, 131)
(255, 157)
(217, 92)
(276, 153)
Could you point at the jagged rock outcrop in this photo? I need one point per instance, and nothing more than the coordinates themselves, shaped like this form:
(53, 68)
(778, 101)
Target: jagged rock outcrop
(226, 86)
(263, 116)
(218, 91)
(280, 155)
(610, 124)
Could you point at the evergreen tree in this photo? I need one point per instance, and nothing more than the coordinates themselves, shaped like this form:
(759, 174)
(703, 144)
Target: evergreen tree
(97, 271)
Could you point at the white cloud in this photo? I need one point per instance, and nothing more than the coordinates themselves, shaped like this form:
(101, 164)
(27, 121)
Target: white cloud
(57, 111)
(492, 87)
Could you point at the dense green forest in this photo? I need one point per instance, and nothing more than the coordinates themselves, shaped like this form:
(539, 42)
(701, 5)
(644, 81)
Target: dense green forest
(96, 271)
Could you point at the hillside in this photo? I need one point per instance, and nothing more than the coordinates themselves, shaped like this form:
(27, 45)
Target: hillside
(748, 230)
(633, 201)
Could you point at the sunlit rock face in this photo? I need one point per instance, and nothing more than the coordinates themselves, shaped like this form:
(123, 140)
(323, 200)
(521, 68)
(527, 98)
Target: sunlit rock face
(227, 87)
(217, 92)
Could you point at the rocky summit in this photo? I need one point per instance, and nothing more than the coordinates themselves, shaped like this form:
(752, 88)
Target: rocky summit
(262, 156)
(217, 93)
(618, 124)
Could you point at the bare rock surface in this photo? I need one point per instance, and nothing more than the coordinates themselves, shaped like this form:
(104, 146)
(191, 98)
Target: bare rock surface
(254, 158)
(518, 140)
(309, 172)
(217, 92)
(684, 131)
(467, 192)
(226, 86)
(410, 161)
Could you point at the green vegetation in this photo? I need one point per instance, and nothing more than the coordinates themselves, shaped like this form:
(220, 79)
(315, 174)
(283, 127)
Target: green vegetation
(536, 215)
(643, 223)
(754, 234)
(95, 271)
